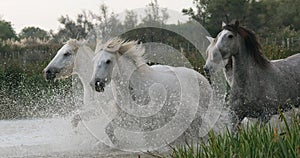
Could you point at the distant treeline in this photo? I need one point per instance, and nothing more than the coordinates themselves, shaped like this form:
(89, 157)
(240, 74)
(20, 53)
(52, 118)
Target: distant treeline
(31, 55)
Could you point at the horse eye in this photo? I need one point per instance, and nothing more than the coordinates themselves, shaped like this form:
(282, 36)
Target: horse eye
(230, 36)
(108, 61)
(67, 54)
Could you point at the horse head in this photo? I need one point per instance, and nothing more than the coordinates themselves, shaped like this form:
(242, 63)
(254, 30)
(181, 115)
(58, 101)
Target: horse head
(235, 39)
(110, 55)
(61, 66)
(214, 58)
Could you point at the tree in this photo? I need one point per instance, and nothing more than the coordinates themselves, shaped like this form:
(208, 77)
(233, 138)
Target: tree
(263, 16)
(201, 13)
(74, 29)
(225, 10)
(211, 13)
(155, 16)
(34, 32)
(130, 19)
(107, 24)
(6, 31)
(277, 22)
(288, 14)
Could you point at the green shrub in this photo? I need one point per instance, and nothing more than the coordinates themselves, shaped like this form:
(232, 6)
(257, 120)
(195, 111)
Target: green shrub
(274, 52)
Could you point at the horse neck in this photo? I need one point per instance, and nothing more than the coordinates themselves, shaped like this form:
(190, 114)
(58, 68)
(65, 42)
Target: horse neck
(83, 65)
(245, 68)
(128, 70)
(228, 71)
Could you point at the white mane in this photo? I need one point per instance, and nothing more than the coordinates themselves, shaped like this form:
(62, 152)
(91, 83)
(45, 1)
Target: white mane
(131, 49)
(74, 43)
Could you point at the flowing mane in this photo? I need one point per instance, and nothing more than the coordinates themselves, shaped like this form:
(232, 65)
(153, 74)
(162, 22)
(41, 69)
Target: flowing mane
(251, 43)
(131, 49)
(73, 43)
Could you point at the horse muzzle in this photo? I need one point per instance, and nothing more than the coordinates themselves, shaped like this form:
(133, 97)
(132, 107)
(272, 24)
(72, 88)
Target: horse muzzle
(99, 85)
(50, 74)
(206, 70)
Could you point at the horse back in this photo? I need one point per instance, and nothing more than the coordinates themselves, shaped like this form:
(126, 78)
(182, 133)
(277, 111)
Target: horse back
(291, 67)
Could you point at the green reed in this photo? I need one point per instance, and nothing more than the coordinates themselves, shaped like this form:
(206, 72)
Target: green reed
(251, 141)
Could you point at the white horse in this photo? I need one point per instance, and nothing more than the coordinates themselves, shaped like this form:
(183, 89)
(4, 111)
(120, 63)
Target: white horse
(75, 57)
(148, 96)
(259, 87)
(215, 60)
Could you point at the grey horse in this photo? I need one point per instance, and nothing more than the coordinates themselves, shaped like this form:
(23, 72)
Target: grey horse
(259, 87)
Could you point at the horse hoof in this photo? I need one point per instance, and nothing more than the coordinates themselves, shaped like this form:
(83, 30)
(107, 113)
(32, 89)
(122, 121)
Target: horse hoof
(75, 120)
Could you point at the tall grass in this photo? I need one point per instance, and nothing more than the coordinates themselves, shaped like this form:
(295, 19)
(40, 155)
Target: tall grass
(251, 141)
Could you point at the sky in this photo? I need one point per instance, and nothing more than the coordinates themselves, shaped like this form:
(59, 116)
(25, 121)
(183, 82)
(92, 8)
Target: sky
(45, 13)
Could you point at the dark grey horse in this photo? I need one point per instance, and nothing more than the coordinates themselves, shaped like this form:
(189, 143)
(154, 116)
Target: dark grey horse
(259, 87)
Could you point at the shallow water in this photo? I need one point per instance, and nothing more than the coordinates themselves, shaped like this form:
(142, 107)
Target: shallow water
(56, 137)
(45, 137)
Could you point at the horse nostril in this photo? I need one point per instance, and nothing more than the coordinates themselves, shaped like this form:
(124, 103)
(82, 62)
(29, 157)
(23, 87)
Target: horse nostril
(48, 72)
(97, 83)
(206, 69)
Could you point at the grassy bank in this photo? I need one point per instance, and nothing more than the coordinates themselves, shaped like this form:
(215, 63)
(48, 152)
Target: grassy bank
(252, 141)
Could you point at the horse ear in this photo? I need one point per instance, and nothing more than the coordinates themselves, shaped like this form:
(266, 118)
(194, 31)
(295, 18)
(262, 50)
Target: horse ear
(237, 24)
(81, 42)
(210, 39)
(223, 24)
(99, 44)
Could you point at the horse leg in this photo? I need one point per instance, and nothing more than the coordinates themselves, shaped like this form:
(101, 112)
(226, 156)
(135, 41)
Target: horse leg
(194, 130)
(75, 120)
(264, 119)
(236, 120)
(110, 130)
(82, 116)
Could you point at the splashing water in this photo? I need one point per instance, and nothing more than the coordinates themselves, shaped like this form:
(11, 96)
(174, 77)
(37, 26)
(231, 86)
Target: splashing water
(45, 136)
(58, 138)
(54, 136)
